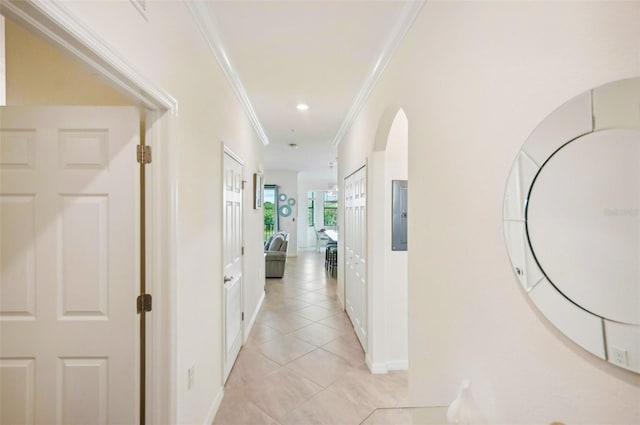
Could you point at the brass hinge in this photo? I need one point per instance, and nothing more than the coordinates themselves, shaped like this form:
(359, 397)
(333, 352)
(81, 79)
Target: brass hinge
(243, 315)
(144, 303)
(242, 251)
(144, 154)
(243, 183)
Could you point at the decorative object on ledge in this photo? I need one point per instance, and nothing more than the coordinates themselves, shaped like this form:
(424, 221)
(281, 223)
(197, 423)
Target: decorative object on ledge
(463, 409)
(257, 191)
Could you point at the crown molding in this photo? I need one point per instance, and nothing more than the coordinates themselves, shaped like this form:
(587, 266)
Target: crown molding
(204, 19)
(409, 14)
(54, 21)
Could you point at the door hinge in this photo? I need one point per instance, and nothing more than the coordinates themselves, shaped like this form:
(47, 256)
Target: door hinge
(243, 315)
(144, 303)
(243, 183)
(144, 154)
(242, 251)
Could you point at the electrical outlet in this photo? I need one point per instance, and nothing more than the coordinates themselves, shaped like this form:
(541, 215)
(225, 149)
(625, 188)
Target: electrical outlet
(191, 372)
(619, 356)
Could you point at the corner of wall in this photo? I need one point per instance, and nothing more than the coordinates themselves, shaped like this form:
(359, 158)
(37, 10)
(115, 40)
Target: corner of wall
(215, 405)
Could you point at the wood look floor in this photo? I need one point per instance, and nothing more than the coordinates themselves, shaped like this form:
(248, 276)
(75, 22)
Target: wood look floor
(302, 363)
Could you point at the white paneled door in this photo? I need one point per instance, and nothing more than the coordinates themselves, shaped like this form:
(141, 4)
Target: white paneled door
(68, 276)
(232, 255)
(355, 223)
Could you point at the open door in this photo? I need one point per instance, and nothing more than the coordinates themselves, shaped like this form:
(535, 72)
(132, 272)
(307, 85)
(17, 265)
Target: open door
(69, 265)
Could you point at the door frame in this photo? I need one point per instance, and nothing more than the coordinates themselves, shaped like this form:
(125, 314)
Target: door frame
(53, 22)
(226, 150)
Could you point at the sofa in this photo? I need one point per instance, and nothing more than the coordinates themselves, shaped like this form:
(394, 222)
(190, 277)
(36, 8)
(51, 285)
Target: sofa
(275, 249)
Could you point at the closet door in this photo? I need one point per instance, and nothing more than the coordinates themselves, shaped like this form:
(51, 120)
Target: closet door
(356, 252)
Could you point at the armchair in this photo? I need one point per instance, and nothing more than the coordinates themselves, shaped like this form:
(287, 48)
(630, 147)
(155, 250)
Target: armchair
(276, 255)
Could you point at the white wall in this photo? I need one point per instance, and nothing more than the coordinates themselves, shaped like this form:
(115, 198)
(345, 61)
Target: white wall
(306, 235)
(306, 184)
(475, 78)
(387, 347)
(170, 51)
(396, 262)
(287, 182)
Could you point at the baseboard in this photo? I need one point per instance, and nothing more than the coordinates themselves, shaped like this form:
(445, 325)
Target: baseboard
(398, 365)
(214, 407)
(375, 368)
(254, 316)
(385, 367)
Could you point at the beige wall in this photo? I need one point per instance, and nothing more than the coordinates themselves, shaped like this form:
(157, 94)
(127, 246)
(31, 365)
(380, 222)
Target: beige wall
(168, 49)
(475, 78)
(39, 74)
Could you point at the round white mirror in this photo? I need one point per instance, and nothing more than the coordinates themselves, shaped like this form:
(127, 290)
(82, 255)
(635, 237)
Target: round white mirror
(572, 224)
(582, 222)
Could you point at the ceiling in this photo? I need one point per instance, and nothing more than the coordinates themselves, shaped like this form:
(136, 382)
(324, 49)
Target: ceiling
(326, 54)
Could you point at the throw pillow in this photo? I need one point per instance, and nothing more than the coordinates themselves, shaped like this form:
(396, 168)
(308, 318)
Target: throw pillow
(276, 243)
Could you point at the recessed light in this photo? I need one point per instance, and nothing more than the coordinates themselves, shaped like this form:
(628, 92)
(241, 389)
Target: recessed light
(302, 106)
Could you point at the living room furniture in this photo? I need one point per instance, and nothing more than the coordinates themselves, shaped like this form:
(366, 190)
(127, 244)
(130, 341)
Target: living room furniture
(276, 255)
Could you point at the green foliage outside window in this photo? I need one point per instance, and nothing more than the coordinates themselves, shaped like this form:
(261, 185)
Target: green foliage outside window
(311, 209)
(330, 209)
(269, 219)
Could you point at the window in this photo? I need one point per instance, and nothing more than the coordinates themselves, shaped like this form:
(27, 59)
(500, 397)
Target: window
(270, 207)
(330, 209)
(311, 209)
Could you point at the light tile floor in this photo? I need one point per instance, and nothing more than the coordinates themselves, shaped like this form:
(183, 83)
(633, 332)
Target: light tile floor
(302, 363)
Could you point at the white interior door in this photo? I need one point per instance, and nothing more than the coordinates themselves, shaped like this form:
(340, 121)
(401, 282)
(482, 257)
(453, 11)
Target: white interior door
(355, 252)
(232, 240)
(68, 280)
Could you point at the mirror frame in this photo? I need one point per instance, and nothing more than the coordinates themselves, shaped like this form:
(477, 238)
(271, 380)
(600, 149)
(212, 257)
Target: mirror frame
(616, 342)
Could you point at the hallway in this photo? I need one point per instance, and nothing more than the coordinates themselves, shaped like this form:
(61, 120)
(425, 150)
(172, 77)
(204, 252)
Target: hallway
(302, 363)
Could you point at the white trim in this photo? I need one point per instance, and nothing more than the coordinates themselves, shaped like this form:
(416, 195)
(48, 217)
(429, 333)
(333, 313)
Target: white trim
(254, 316)
(213, 410)
(203, 16)
(398, 365)
(360, 167)
(226, 149)
(3, 64)
(410, 12)
(385, 367)
(375, 368)
(141, 7)
(162, 277)
(56, 23)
